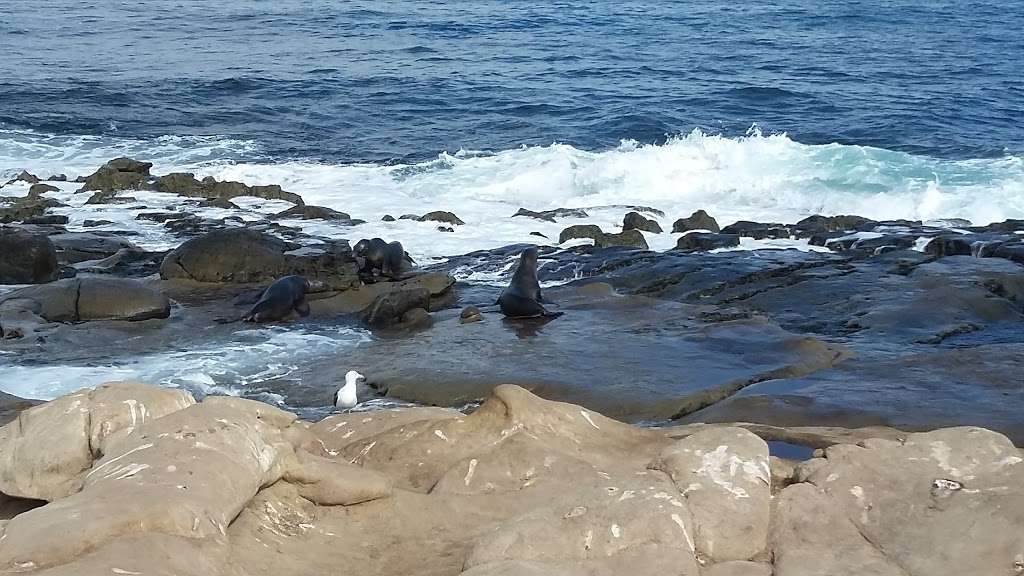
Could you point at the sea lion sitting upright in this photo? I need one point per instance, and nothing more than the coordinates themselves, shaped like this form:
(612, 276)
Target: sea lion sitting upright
(375, 256)
(522, 298)
(279, 299)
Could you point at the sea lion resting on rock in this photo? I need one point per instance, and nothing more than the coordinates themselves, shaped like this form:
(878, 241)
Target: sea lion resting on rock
(279, 299)
(522, 298)
(377, 256)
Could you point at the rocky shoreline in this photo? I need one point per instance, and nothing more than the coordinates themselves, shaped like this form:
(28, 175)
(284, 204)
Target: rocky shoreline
(905, 324)
(133, 479)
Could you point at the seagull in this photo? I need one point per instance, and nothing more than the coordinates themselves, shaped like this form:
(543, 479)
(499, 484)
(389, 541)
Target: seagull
(345, 397)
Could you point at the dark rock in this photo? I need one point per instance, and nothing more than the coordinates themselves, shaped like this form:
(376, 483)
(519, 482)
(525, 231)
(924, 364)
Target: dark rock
(161, 216)
(387, 309)
(591, 231)
(211, 188)
(875, 245)
(243, 256)
(408, 217)
(116, 175)
(111, 197)
(313, 213)
(96, 223)
(24, 176)
(823, 238)
(26, 258)
(628, 238)
(699, 220)
(470, 314)
(74, 247)
(949, 246)
(236, 256)
(538, 234)
(218, 203)
(704, 241)
(636, 221)
(416, 318)
(22, 209)
(125, 262)
(818, 224)
(1010, 251)
(445, 229)
(40, 189)
(388, 218)
(52, 219)
(1004, 226)
(58, 178)
(551, 215)
(756, 230)
(84, 299)
(441, 216)
(181, 183)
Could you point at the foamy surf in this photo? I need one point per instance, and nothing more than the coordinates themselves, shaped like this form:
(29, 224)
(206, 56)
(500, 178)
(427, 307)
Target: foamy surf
(241, 365)
(757, 177)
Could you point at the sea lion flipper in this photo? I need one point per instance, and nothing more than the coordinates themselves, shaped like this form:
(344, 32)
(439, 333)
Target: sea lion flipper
(302, 307)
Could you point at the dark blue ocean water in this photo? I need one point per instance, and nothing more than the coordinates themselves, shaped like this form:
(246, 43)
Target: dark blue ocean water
(353, 81)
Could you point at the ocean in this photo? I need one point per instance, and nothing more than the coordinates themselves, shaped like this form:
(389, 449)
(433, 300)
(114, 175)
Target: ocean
(885, 109)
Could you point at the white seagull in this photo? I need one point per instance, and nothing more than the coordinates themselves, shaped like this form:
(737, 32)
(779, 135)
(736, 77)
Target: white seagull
(345, 397)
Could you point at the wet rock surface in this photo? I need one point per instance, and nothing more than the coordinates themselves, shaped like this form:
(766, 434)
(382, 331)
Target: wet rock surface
(148, 481)
(26, 258)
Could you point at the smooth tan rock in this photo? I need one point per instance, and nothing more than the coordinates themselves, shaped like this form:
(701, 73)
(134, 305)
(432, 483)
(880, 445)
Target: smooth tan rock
(329, 483)
(47, 449)
(738, 568)
(187, 474)
(938, 503)
(723, 474)
(337, 431)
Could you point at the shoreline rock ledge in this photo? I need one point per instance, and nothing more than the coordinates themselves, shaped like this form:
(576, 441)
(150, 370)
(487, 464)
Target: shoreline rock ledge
(134, 479)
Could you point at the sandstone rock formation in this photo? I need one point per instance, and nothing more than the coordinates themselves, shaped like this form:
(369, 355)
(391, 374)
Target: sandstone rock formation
(139, 480)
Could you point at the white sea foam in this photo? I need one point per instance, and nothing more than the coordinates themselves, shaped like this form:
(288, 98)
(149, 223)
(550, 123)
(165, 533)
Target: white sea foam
(764, 178)
(234, 367)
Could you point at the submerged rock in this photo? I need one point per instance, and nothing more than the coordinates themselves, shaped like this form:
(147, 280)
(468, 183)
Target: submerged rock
(441, 216)
(26, 258)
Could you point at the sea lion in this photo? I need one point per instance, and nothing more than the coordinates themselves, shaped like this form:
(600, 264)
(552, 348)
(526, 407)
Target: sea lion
(279, 299)
(375, 256)
(522, 298)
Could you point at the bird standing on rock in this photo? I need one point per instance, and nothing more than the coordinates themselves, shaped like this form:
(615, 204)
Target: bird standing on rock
(345, 397)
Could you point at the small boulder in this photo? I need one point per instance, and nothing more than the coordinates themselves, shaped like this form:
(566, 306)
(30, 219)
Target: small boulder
(234, 255)
(441, 216)
(389, 308)
(118, 174)
(24, 176)
(58, 178)
(539, 235)
(756, 230)
(312, 213)
(445, 229)
(699, 220)
(181, 183)
(388, 218)
(704, 241)
(96, 223)
(37, 190)
(26, 258)
(637, 221)
(48, 220)
(218, 203)
(948, 246)
(628, 238)
(470, 314)
(591, 231)
(817, 224)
